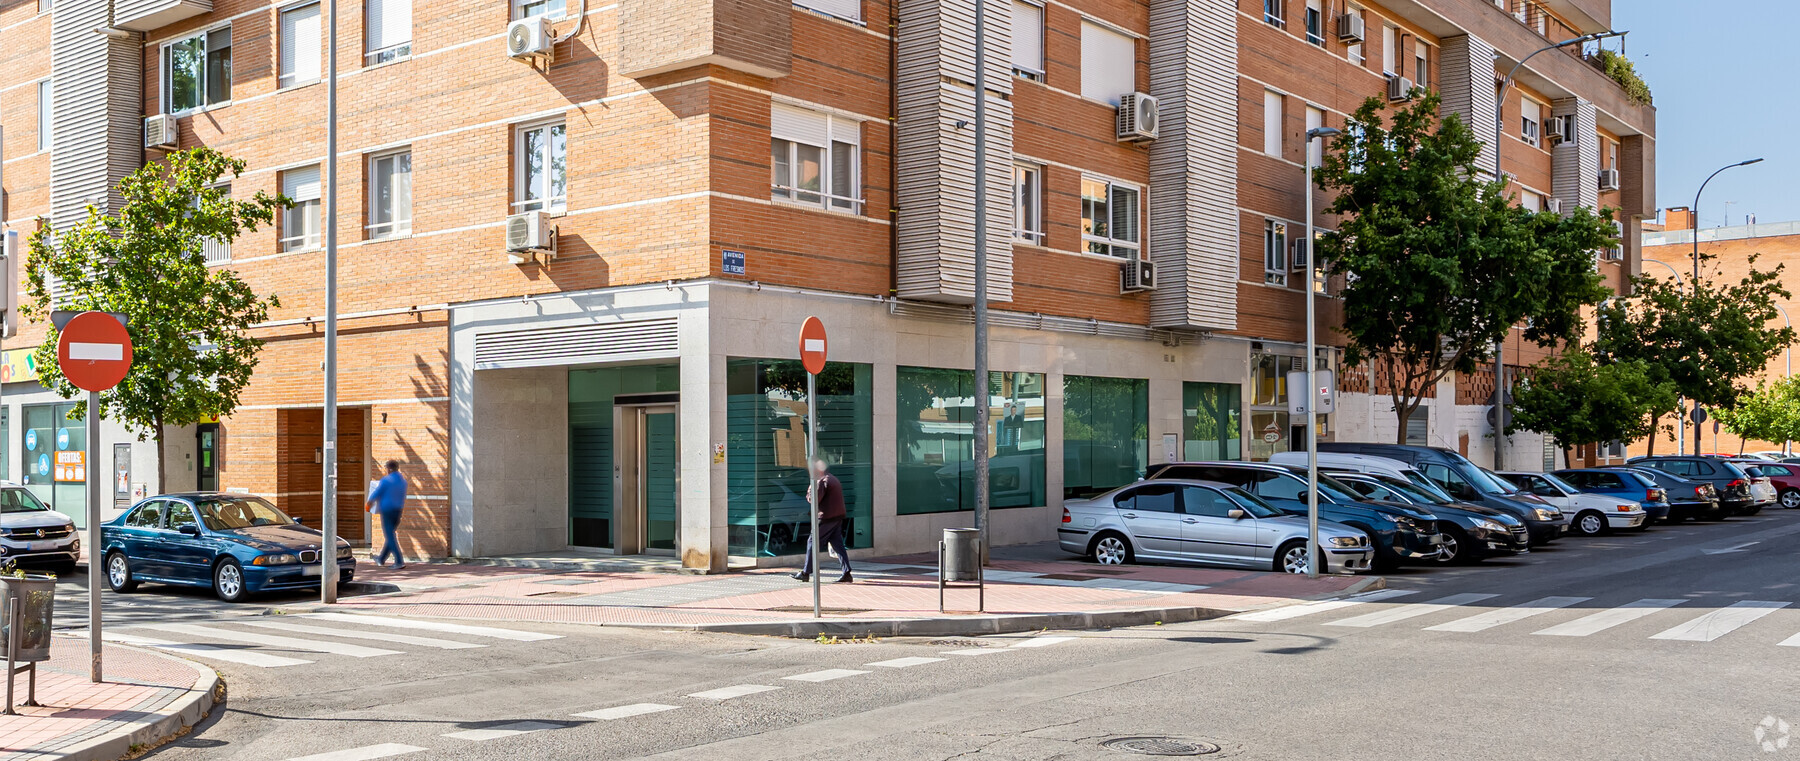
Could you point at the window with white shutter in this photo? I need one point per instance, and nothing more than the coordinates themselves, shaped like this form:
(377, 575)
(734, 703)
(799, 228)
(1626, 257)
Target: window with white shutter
(390, 195)
(1390, 50)
(814, 158)
(301, 47)
(1272, 108)
(1315, 149)
(1028, 40)
(46, 114)
(300, 228)
(387, 30)
(1108, 63)
(1530, 116)
(848, 10)
(1111, 217)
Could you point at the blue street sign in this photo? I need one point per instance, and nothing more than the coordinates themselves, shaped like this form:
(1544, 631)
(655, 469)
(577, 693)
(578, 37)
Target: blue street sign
(62, 438)
(43, 465)
(731, 261)
(31, 438)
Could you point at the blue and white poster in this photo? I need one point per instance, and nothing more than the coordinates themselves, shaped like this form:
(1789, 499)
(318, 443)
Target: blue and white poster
(62, 438)
(31, 438)
(43, 465)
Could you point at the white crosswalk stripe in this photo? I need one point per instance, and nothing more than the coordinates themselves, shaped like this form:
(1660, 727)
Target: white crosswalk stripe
(900, 663)
(433, 626)
(626, 712)
(364, 753)
(1493, 618)
(1323, 606)
(824, 676)
(1793, 641)
(734, 691)
(1607, 619)
(976, 651)
(503, 730)
(1043, 641)
(1721, 622)
(389, 637)
(270, 640)
(1409, 610)
(228, 654)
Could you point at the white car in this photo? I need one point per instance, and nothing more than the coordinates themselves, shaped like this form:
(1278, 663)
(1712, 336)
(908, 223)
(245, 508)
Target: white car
(1590, 514)
(34, 535)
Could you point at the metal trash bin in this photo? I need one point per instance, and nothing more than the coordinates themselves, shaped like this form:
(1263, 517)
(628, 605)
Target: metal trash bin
(33, 598)
(959, 560)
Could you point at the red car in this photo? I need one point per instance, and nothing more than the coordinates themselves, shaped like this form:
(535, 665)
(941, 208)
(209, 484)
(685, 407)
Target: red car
(1786, 479)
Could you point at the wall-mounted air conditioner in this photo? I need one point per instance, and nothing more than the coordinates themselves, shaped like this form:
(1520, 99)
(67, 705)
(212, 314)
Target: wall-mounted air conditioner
(1138, 117)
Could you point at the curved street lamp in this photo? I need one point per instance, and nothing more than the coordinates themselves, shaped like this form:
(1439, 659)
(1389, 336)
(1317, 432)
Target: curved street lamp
(1709, 178)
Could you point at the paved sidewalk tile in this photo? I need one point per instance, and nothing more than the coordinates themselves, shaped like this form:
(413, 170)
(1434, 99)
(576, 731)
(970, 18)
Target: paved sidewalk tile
(142, 688)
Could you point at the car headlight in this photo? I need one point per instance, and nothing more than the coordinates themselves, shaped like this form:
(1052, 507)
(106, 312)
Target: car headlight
(1546, 515)
(343, 552)
(1346, 541)
(1487, 525)
(281, 558)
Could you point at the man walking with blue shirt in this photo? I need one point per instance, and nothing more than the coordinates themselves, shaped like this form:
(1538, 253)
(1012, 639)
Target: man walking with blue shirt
(387, 500)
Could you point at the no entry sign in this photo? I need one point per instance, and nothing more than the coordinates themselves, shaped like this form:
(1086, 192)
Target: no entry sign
(812, 345)
(94, 351)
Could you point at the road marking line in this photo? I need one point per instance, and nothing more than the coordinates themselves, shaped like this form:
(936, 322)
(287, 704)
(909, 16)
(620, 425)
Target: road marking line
(976, 651)
(270, 640)
(362, 754)
(735, 691)
(900, 663)
(825, 676)
(434, 626)
(626, 712)
(1607, 619)
(1493, 618)
(1044, 641)
(1721, 622)
(1307, 609)
(234, 655)
(1409, 610)
(1793, 641)
(503, 730)
(403, 639)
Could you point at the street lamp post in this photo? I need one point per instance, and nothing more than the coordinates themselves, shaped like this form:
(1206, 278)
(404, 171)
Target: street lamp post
(982, 398)
(1696, 281)
(1312, 364)
(1499, 131)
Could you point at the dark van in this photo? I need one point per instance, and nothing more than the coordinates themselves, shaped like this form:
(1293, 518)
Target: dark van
(1467, 483)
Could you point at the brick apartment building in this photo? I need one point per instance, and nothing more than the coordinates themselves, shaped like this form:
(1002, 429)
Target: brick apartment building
(716, 170)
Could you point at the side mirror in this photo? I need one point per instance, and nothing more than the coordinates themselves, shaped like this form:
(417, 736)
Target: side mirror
(299, 520)
(189, 529)
(1235, 514)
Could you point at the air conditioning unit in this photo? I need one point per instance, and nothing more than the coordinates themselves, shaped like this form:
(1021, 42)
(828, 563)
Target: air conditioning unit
(1399, 88)
(1138, 117)
(529, 38)
(1556, 128)
(1137, 275)
(530, 233)
(1350, 29)
(1298, 251)
(1609, 179)
(1553, 205)
(161, 133)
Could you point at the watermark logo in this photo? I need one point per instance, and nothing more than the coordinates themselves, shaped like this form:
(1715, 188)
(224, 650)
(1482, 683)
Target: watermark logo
(1772, 734)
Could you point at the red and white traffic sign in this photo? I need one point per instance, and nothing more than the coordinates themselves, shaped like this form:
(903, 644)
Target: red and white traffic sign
(812, 345)
(94, 351)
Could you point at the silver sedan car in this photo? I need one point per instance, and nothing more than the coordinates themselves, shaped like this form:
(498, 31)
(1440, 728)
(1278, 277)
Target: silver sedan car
(1202, 522)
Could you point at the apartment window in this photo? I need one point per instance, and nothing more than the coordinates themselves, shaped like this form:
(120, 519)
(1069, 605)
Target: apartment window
(1315, 149)
(1028, 200)
(387, 31)
(1110, 222)
(301, 47)
(1272, 123)
(1275, 12)
(848, 10)
(1355, 51)
(1612, 155)
(215, 250)
(1028, 40)
(390, 195)
(1390, 50)
(1421, 64)
(300, 223)
(44, 6)
(1530, 115)
(813, 158)
(529, 8)
(1315, 23)
(1108, 63)
(542, 168)
(1358, 152)
(1275, 240)
(46, 114)
(1531, 201)
(196, 71)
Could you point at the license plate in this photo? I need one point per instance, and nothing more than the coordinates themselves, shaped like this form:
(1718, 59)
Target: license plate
(312, 570)
(40, 546)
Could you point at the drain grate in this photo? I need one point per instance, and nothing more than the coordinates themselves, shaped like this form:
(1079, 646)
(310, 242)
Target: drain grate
(1160, 746)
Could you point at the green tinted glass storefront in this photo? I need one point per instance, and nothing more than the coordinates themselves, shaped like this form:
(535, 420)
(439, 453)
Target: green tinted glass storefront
(55, 450)
(1211, 421)
(1106, 425)
(765, 452)
(592, 394)
(936, 447)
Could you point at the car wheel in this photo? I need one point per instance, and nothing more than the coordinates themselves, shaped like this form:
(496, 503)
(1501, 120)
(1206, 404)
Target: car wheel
(1291, 558)
(228, 581)
(1590, 524)
(1456, 549)
(1111, 548)
(1790, 499)
(118, 573)
(780, 539)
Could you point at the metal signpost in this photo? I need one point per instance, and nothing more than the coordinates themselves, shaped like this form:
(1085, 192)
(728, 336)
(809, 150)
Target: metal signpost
(812, 357)
(94, 352)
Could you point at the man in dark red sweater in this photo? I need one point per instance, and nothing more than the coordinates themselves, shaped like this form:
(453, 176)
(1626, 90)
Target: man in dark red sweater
(830, 493)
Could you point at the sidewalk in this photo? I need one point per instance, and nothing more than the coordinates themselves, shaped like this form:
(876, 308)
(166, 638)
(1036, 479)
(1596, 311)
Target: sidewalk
(1027, 588)
(147, 698)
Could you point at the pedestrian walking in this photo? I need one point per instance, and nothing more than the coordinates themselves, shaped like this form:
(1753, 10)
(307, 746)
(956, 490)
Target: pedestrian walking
(830, 503)
(387, 500)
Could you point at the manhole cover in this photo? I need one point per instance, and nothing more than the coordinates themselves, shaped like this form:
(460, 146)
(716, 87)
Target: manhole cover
(1160, 746)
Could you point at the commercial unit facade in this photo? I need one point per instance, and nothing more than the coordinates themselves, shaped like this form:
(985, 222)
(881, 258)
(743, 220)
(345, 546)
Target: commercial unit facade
(715, 172)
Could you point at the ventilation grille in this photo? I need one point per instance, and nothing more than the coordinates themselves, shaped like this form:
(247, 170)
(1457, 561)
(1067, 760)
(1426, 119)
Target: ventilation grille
(610, 342)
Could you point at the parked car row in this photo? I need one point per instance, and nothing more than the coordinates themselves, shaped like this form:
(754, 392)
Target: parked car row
(1385, 505)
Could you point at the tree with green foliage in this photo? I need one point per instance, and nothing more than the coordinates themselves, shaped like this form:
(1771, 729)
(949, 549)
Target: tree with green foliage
(1705, 339)
(1439, 263)
(192, 353)
(1770, 413)
(1575, 400)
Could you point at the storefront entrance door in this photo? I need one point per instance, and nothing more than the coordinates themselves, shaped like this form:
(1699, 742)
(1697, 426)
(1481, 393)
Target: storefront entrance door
(647, 479)
(659, 468)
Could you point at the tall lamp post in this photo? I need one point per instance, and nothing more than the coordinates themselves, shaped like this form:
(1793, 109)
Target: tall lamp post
(1499, 131)
(1696, 280)
(982, 398)
(1312, 364)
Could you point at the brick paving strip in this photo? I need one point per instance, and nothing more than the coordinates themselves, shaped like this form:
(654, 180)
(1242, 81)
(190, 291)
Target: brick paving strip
(148, 697)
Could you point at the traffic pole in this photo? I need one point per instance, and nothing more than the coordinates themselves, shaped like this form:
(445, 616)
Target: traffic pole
(328, 567)
(96, 566)
(812, 443)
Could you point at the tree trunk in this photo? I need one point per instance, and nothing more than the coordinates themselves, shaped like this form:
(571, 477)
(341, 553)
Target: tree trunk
(162, 460)
(1650, 443)
(1402, 413)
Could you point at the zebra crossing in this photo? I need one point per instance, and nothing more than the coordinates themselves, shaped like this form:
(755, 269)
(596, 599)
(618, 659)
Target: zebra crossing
(1701, 618)
(282, 641)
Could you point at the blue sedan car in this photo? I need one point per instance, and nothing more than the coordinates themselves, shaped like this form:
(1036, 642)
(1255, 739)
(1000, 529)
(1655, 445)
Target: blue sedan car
(234, 543)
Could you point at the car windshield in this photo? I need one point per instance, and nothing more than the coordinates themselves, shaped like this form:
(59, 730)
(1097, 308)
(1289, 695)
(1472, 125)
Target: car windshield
(1560, 484)
(20, 501)
(1251, 503)
(1336, 490)
(1495, 483)
(1418, 494)
(228, 513)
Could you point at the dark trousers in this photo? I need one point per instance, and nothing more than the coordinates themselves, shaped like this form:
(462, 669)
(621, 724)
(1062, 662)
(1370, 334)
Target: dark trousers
(390, 523)
(833, 534)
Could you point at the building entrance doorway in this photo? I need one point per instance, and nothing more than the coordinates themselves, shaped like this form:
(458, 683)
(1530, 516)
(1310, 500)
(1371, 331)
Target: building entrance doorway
(646, 477)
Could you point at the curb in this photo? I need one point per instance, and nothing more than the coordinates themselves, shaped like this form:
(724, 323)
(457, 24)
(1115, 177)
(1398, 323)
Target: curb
(207, 693)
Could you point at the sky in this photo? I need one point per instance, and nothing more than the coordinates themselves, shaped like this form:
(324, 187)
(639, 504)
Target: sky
(1720, 73)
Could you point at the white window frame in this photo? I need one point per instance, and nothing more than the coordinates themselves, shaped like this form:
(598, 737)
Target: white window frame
(1027, 69)
(1531, 201)
(846, 10)
(1421, 63)
(393, 51)
(1275, 13)
(46, 113)
(1355, 52)
(839, 134)
(1276, 234)
(214, 250)
(401, 215)
(1531, 130)
(287, 79)
(1128, 249)
(305, 241)
(1274, 122)
(1028, 202)
(554, 204)
(1612, 154)
(163, 72)
(1094, 85)
(1315, 23)
(1315, 149)
(1390, 49)
(519, 7)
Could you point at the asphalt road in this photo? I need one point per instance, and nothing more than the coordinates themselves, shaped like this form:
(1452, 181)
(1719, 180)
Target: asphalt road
(1661, 645)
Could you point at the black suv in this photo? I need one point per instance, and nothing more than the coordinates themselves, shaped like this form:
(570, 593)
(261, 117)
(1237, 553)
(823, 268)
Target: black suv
(1471, 532)
(1467, 482)
(1400, 533)
(1732, 483)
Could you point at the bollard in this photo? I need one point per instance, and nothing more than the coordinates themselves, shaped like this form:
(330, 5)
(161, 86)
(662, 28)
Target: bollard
(959, 560)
